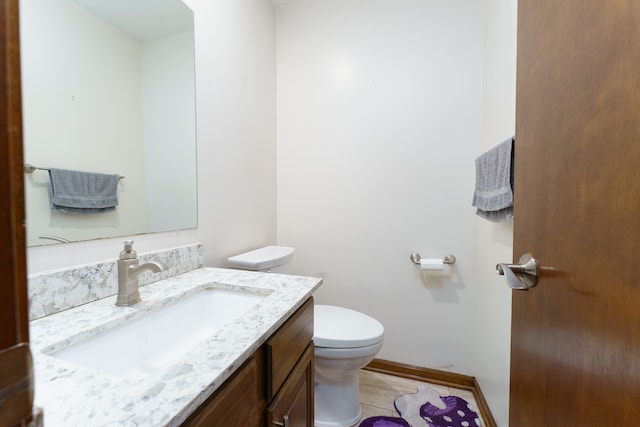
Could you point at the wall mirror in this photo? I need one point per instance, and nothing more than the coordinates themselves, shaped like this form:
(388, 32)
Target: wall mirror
(109, 86)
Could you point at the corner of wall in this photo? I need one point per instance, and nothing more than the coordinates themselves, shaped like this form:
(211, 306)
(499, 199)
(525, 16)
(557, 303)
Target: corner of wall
(495, 241)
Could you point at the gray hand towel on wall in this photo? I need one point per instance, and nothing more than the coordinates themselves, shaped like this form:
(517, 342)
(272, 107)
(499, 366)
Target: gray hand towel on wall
(493, 195)
(81, 192)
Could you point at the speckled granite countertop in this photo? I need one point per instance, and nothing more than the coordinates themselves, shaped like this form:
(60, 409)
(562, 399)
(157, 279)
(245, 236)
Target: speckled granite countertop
(72, 395)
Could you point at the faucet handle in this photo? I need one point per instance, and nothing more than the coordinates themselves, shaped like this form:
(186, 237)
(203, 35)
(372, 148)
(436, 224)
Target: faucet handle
(128, 252)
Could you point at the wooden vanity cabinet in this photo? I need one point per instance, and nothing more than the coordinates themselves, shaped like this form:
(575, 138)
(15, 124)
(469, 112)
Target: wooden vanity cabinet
(289, 369)
(238, 402)
(274, 387)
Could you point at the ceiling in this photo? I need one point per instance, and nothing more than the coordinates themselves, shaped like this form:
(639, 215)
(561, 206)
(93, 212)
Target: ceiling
(148, 19)
(143, 19)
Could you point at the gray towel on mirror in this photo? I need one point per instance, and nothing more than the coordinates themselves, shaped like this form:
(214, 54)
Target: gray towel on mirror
(81, 192)
(493, 195)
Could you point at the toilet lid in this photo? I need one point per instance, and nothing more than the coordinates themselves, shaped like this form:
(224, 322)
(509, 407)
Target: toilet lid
(263, 258)
(339, 327)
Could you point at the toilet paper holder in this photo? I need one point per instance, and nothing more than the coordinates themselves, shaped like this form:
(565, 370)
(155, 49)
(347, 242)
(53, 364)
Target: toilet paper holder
(449, 259)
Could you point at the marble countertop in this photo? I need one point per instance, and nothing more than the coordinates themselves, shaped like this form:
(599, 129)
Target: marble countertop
(73, 395)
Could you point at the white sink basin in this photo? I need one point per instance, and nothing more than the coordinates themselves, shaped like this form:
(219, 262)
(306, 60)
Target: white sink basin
(158, 339)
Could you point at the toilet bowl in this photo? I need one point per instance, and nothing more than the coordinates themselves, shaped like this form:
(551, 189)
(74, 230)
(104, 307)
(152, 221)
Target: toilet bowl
(345, 340)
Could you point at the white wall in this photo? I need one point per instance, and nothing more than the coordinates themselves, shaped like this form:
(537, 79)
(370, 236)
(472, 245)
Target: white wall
(379, 122)
(495, 241)
(168, 87)
(235, 83)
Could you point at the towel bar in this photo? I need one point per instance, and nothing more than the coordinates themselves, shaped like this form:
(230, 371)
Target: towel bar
(28, 168)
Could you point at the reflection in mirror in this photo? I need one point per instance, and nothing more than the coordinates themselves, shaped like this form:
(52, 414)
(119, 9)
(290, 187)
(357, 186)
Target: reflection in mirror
(109, 87)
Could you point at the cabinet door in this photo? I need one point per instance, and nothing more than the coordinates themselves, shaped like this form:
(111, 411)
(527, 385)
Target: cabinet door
(239, 402)
(293, 406)
(285, 347)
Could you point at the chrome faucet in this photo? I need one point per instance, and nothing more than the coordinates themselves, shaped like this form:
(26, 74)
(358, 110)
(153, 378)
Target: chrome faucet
(129, 268)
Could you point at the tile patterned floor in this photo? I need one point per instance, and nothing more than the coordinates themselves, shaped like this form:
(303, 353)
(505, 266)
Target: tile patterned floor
(378, 391)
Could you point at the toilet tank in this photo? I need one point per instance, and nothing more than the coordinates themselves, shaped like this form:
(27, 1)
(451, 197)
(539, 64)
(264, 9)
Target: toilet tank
(270, 258)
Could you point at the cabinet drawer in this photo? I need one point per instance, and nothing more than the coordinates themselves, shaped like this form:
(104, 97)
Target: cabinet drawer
(286, 346)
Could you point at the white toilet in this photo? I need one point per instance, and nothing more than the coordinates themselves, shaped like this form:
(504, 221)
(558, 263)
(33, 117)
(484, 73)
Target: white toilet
(345, 341)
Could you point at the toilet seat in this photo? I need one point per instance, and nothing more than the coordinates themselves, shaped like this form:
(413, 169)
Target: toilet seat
(339, 327)
(346, 353)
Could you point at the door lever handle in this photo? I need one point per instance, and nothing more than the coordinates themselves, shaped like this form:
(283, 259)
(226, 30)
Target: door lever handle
(520, 276)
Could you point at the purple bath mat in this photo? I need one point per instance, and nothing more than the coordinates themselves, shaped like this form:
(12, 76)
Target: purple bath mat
(427, 408)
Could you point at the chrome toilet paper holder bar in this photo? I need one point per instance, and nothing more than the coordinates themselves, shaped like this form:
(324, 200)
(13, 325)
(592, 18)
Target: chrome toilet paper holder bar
(449, 259)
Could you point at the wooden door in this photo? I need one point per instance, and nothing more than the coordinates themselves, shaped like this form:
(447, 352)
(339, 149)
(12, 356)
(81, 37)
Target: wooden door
(15, 359)
(575, 358)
